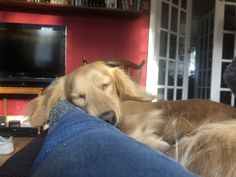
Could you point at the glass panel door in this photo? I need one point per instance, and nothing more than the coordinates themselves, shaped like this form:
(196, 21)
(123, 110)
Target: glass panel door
(224, 49)
(204, 59)
(170, 56)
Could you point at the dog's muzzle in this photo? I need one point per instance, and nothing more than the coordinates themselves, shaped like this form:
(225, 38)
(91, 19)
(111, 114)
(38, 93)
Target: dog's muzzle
(109, 117)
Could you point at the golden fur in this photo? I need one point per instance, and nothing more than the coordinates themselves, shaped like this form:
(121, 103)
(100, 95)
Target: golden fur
(88, 86)
(200, 134)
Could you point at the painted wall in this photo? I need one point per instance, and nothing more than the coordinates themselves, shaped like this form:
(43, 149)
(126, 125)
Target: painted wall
(93, 36)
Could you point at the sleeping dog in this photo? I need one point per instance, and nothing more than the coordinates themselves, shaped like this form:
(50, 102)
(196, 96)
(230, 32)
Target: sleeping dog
(200, 134)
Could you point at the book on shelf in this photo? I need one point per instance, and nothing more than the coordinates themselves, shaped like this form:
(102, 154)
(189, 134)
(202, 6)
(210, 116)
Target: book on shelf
(64, 2)
(124, 4)
(113, 4)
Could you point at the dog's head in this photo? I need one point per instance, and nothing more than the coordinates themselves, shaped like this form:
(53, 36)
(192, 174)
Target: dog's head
(96, 88)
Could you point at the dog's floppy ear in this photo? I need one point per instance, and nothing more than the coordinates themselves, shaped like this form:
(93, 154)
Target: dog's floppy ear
(128, 89)
(35, 111)
(55, 92)
(38, 110)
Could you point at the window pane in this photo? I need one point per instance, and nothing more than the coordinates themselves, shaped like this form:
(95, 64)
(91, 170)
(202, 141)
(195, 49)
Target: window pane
(179, 94)
(163, 44)
(181, 48)
(190, 86)
(209, 78)
(208, 93)
(204, 61)
(164, 15)
(199, 93)
(182, 22)
(180, 74)
(173, 41)
(175, 2)
(211, 42)
(170, 94)
(223, 84)
(230, 14)
(162, 72)
(210, 60)
(161, 92)
(225, 97)
(201, 78)
(203, 92)
(174, 19)
(184, 4)
(204, 79)
(171, 73)
(200, 60)
(228, 46)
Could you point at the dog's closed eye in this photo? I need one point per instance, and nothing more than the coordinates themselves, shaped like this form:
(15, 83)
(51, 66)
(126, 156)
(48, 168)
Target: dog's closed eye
(82, 96)
(105, 86)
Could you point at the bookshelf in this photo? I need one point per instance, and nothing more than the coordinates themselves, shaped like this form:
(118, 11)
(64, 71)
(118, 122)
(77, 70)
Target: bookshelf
(67, 9)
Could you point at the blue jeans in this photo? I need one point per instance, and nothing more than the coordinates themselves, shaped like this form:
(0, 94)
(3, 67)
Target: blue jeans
(83, 146)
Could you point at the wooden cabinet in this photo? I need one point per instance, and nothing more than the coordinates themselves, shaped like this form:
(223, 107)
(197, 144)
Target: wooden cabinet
(19, 142)
(17, 91)
(48, 8)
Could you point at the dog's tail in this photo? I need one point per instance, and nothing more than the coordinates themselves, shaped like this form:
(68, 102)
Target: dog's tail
(210, 150)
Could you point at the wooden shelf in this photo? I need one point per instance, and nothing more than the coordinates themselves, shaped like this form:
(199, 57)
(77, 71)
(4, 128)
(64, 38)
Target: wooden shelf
(21, 90)
(46, 8)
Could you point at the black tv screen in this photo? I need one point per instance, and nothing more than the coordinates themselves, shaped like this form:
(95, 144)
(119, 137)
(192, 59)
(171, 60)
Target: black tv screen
(30, 54)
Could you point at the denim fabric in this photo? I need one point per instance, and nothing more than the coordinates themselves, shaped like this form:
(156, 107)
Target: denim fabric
(60, 108)
(83, 146)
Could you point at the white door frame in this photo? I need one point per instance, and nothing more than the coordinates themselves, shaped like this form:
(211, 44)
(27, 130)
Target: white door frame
(153, 46)
(217, 89)
(217, 50)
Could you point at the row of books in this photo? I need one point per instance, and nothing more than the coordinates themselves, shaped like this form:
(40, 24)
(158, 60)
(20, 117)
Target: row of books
(116, 4)
(64, 2)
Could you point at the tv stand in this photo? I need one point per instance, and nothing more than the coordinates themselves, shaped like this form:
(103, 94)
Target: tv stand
(18, 91)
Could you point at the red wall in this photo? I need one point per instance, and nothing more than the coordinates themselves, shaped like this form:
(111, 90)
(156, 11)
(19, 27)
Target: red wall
(93, 36)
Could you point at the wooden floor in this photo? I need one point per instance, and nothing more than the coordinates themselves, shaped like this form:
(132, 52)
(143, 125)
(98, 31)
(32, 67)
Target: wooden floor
(19, 142)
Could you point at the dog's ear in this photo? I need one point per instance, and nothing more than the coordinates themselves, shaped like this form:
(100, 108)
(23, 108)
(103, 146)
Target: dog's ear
(39, 109)
(34, 112)
(128, 89)
(68, 84)
(55, 92)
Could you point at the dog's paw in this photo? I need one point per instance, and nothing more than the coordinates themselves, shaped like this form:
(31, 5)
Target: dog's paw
(159, 145)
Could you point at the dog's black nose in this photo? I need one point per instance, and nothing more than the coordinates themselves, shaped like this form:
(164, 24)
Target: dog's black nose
(109, 117)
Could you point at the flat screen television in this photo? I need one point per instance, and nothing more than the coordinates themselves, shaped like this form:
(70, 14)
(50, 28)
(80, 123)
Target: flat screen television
(30, 54)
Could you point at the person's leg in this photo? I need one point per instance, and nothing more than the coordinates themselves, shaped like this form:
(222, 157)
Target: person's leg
(79, 145)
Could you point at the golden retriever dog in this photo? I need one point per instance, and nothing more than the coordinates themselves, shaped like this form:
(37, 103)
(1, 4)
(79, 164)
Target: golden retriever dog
(199, 134)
